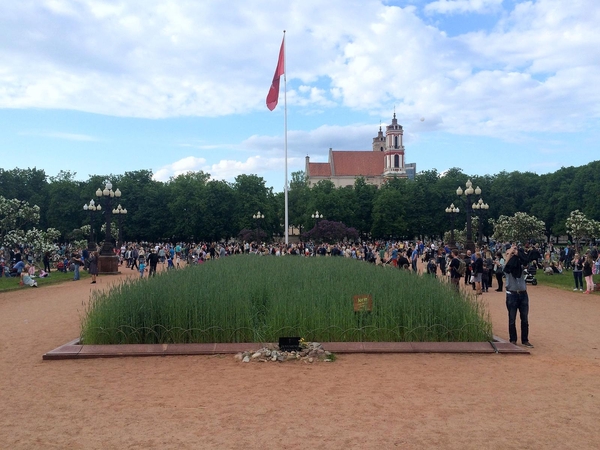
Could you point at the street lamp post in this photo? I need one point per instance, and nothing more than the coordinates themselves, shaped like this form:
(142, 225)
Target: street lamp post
(317, 216)
(108, 262)
(482, 209)
(92, 207)
(453, 211)
(468, 195)
(257, 217)
(120, 212)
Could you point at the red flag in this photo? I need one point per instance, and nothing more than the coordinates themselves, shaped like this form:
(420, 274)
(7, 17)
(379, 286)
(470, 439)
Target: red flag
(273, 95)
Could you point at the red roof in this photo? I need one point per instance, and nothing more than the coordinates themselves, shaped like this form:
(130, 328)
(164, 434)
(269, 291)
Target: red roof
(356, 163)
(319, 169)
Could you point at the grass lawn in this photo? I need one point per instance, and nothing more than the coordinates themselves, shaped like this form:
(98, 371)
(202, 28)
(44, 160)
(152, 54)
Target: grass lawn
(12, 284)
(563, 281)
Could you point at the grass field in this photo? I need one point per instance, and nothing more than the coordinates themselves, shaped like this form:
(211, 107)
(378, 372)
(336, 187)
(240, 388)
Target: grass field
(12, 284)
(259, 299)
(564, 280)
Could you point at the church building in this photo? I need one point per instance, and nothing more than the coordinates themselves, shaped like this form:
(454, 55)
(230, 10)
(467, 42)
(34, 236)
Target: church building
(385, 161)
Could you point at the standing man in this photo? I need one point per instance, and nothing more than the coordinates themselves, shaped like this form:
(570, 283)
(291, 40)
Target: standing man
(516, 295)
(455, 275)
(468, 261)
(152, 263)
(76, 261)
(414, 256)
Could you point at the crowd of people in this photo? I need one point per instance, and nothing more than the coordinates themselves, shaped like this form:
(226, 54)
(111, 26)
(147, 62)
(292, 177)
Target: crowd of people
(509, 264)
(478, 269)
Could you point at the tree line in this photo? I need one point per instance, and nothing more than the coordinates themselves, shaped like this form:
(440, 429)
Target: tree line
(194, 207)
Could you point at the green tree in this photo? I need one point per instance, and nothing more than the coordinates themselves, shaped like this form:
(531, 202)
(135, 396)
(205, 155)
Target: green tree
(299, 195)
(65, 202)
(146, 200)
(186, 193)
(364, 196)
(389, 211)
(219, 207)
(252, 195)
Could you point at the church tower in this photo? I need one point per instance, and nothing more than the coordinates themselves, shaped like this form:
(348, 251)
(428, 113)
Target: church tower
(379, 141)
(394, 150)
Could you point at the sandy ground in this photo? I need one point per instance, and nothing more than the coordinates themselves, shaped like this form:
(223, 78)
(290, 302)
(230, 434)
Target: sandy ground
(547, 400)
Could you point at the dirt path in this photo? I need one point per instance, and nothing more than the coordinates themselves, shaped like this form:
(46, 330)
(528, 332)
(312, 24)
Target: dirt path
(548, 400)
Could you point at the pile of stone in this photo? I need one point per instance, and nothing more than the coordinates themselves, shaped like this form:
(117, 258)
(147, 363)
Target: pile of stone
(310, 352)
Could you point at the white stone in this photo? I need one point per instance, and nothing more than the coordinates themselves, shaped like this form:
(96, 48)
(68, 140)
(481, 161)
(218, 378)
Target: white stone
(256, 355)
(246, 359)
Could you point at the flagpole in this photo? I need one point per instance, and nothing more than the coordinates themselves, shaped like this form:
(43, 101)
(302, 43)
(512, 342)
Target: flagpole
(285, 142)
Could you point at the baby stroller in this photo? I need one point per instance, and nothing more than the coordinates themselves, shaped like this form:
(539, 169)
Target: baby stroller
(529, 274)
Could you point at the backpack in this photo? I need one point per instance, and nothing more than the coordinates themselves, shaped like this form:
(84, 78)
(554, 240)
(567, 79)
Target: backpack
(462, 267)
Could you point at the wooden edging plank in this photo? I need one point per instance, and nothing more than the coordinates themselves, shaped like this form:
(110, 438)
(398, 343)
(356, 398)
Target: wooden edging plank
(74, 350)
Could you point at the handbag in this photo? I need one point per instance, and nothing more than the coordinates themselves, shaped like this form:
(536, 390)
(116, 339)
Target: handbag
(472, 279)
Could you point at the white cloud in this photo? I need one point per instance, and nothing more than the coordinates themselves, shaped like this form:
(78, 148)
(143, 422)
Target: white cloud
(185, 165)
(317, 141)
(268, 152)
(463, 6)
(225, 169)
(536, 71)
(66, 136)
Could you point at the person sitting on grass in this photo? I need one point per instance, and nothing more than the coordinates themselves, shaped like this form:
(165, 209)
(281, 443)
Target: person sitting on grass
(18, 267)
(26, 279)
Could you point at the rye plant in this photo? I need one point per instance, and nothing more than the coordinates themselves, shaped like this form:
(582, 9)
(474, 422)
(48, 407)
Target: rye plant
(252, 298)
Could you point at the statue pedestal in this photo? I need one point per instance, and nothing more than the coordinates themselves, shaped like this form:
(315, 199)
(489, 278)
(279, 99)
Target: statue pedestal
(108, 264)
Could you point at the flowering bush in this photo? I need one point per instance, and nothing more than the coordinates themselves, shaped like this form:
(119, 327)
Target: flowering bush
(519, 228)
(16, 217)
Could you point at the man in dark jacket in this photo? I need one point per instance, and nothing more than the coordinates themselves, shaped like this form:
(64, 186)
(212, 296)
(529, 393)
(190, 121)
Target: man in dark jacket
(152, 262)
(516, 295)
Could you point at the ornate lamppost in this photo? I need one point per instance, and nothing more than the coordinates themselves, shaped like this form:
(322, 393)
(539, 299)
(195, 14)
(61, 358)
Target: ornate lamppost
(120, 212)
(108, 262)
(317, 217)
(453, 211)
(257, 217)
(481, 208)
(92, 207)
(468, 195)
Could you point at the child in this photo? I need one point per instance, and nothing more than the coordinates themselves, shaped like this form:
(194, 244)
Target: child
(142, 268)
(170, 263)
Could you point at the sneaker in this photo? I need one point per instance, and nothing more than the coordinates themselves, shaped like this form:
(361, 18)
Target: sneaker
(581, 289)
(513, 342)
(527, 344)
(575, 289)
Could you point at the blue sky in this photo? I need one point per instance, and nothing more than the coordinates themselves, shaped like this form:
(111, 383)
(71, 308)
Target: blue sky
(97, 87)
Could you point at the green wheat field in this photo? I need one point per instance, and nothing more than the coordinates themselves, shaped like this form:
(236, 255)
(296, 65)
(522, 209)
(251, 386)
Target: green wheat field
(251, 298)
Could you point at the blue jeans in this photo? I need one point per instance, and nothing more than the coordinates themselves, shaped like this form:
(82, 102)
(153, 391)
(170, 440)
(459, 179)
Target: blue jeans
(518, 301)
(578, 275)
(76, 276)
